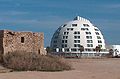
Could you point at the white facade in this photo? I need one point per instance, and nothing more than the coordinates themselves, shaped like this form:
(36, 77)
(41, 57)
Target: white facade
(76, 33)
(116, 49)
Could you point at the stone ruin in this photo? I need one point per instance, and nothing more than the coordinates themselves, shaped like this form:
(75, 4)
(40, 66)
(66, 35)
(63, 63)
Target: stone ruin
(11, 41)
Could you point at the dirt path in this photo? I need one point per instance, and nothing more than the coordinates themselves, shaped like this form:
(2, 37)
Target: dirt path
(84, 69)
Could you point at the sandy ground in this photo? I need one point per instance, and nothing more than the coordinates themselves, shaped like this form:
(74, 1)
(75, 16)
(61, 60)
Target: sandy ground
(84, 69)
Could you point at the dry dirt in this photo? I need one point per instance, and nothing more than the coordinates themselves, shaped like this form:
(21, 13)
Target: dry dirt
(83, 69)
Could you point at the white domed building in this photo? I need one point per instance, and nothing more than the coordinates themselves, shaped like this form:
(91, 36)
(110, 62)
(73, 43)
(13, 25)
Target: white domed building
(70, 37)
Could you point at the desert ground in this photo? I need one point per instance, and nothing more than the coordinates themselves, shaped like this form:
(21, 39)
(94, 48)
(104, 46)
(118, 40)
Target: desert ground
(83, 69)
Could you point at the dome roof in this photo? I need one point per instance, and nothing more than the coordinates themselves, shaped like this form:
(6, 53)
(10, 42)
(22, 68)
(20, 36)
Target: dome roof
(81, 19)
(78, 32)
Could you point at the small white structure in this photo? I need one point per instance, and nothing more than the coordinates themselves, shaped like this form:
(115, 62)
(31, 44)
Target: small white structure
(116, 49)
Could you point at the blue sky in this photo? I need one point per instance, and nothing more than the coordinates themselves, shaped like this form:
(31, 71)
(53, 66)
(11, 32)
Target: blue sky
(47, 15)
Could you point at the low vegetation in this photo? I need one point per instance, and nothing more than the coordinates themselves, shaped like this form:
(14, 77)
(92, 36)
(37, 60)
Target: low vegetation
(23, 61)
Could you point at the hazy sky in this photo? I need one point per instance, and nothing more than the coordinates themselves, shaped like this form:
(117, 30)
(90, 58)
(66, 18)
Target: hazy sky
(47, 15)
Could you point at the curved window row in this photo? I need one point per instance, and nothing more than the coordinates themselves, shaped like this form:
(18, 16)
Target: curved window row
(76, 45)
(76, 37)
(89, 41)
(65, 33)
(99, 41)
(76, 32)
(65, 37)
(74, 25)
(64, 41)
(97, 33)
(88, 32)
(84, 29)
(86, 25)
(98, 37)
(76, 41)
(64, 45)
(89, 45)
(69, 29)
(89, 37)
(96, 29)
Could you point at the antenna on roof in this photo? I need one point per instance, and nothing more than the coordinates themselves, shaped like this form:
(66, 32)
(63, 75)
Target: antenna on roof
(77, 18)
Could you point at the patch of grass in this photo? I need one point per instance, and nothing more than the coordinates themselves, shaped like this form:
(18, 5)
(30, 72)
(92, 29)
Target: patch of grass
(24, 61)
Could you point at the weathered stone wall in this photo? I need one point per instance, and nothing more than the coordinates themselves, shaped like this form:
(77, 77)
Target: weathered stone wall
(11, 41)
(1, 41)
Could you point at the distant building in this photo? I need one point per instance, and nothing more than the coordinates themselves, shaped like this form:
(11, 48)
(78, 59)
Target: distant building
(70, 37)
(115, 49)
(11, 41)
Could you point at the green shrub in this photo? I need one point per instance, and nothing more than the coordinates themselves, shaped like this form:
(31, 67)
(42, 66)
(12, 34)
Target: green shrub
(23, 61)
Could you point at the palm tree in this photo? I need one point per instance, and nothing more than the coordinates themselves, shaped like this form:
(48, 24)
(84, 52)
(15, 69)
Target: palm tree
(48, 49)
(111, 53)
(98, 49)
(81, 49)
